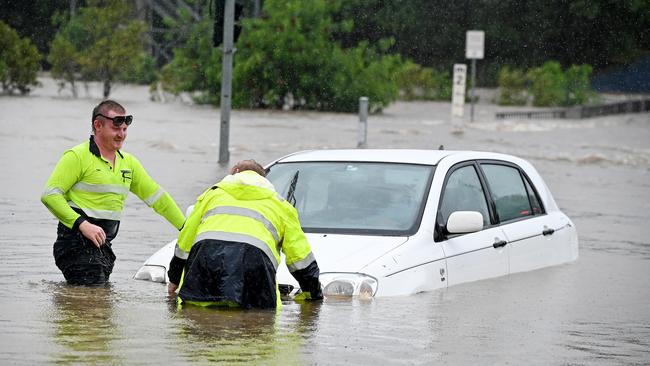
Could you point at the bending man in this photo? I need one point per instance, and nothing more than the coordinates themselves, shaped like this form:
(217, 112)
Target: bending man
(86, 193)
(229, 249)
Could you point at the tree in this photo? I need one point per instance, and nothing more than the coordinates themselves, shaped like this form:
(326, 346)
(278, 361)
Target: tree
(19, 61)
(288, 58)
(104, 42)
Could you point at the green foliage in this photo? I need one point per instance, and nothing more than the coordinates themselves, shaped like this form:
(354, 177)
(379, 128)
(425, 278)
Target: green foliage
(512, 87)
(19, 61)
(578, 86)
(423, 83)
(146, 72)
(63, 58)
(548, 84)
(524, 34)
(105, 44)
(288, 58)
(196, 66)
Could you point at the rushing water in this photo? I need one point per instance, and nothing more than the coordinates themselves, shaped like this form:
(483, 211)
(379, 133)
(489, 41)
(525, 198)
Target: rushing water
(593, 311)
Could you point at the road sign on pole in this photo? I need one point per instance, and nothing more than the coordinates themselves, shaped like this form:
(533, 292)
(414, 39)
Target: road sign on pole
(474, 47)
(474, 44)
(458, 90)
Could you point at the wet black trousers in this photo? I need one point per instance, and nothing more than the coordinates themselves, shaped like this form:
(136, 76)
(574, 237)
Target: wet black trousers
(222, 271)
(80, 261)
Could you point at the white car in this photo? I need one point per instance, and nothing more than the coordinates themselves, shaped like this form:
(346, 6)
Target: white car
(398, 222)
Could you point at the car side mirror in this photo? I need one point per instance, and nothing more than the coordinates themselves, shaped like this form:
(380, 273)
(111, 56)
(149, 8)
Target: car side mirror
(188, 210)
(462, 222)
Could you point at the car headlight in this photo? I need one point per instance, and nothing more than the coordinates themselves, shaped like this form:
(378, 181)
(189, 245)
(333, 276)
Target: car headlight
(348, 285)
(152, 273)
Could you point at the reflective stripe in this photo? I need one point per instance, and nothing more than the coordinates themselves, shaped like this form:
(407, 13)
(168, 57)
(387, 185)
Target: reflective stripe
(239, 238)
(246, 212)
(280, 198)
(51, 191)
(154, 197)
(99, 214)
(180, 253)
(302, 264)
(101, 188)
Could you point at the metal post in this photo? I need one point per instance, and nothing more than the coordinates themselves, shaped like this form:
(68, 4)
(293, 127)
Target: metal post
(226, 80)
(471, 114)
(363, 122)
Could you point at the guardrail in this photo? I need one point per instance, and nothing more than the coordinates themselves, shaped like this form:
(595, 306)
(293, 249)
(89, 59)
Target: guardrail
(631, 106)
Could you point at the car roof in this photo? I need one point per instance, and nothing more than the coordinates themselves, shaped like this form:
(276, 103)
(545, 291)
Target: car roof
(407, 156)
(411, 156)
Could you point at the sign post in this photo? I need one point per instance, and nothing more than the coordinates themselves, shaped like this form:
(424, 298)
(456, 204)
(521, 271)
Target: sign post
(474, 46)
(458, 94)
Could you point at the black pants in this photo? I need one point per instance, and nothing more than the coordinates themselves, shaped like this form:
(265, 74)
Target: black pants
(218, 271)
(80, 261)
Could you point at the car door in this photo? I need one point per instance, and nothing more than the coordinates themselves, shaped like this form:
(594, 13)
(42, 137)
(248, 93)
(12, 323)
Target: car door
(529, 230)
(471, 256)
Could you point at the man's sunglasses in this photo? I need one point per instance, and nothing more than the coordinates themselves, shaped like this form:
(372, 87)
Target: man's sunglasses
(117, 120)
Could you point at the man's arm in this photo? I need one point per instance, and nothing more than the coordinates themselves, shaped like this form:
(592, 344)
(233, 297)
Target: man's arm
(184, 243)
(66, 173)
(300, 259)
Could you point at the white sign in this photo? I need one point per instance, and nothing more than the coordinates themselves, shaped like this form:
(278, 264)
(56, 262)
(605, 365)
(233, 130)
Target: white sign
(458, 90)
(474, 44)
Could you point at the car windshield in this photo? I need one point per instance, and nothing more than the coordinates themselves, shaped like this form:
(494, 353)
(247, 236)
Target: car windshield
(355, 197)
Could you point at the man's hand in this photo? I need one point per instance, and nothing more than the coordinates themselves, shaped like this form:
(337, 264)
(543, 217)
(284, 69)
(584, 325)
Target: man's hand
(171, 288)
(93, 233)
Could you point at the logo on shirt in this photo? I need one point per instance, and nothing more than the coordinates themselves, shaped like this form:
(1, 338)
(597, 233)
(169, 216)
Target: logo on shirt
(126, 174)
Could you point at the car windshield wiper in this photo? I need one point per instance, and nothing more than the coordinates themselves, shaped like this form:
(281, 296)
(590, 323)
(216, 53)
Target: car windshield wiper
(292, 189)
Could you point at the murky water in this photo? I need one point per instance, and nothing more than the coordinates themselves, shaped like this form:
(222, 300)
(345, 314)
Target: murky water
(593, 311)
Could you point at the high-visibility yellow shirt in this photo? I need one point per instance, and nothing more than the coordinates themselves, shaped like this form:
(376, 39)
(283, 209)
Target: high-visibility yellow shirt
(83, 179)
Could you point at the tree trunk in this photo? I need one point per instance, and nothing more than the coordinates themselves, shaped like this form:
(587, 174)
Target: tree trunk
(107, 88)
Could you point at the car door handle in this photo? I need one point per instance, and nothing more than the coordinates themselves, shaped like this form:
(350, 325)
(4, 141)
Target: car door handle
(499, 244)
(548, 231)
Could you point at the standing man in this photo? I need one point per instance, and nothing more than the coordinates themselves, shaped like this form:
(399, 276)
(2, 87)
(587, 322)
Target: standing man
(229, 250)
(86, 192)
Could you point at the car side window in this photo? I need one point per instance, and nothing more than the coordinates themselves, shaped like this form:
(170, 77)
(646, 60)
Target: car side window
(463, 192)
(508, 189)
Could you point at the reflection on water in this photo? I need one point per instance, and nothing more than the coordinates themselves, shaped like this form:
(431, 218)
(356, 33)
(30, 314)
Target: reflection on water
(84, 324)
(246, 336)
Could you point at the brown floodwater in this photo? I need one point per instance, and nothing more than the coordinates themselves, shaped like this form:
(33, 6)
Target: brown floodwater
(594, 311)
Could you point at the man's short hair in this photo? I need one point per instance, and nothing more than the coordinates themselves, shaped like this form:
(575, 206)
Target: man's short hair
(249, 164)
(104, 107)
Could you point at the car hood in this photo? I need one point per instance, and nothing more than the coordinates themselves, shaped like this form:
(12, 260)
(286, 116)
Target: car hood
(345, 253)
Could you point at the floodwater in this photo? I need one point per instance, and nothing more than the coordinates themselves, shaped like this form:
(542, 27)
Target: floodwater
(595, 311)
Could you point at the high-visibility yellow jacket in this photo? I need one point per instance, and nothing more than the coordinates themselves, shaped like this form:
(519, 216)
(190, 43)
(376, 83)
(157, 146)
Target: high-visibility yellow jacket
(245, 208)
(84, 180)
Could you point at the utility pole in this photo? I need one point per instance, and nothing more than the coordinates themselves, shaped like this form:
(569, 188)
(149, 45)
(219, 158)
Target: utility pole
(226, 80)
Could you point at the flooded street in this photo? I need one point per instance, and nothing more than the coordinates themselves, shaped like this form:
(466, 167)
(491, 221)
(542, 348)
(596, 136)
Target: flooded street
(595, 311)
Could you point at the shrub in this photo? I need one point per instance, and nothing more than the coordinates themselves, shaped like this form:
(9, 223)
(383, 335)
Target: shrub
(578, 86)
(19, 61)
(423, 83)
(548, 84)
(288, 59)
(512, 87)
(196, 65)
